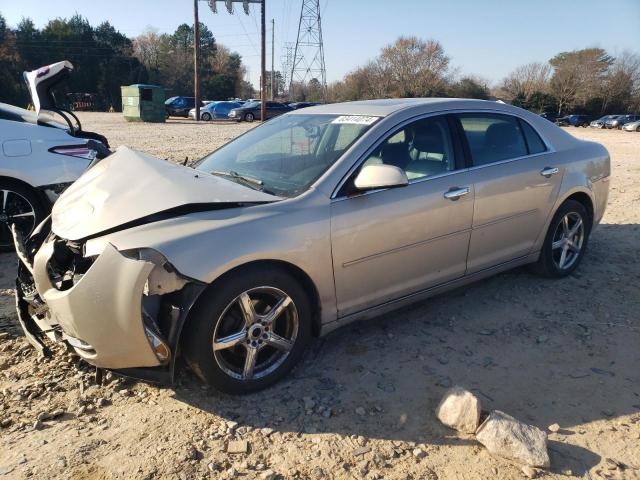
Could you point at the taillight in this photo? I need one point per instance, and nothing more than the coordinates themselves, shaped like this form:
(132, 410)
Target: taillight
(80, 151)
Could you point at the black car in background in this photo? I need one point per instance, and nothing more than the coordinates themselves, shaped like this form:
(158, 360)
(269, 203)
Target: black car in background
(551, 116)
(250, 111)
(179, 106)
(575, 120)
(299, 105)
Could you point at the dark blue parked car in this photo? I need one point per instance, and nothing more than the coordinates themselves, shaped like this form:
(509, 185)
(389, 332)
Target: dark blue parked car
(179, 106)
(215, 110)
(575, 120)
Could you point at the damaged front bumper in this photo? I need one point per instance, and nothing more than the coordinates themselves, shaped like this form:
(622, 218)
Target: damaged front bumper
(121, 311)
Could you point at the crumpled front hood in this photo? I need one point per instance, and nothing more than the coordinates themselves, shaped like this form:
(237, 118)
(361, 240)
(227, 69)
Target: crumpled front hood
(129, 185)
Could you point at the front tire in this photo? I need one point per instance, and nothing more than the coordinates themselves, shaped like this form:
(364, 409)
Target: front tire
(565, 242)
(206, 117)
(249, 330)
(20, 205)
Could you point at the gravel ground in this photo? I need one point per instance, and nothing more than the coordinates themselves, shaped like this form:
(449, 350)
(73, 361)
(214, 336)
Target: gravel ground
(361, 404)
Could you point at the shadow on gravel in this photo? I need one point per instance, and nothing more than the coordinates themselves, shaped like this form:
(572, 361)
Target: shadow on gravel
(545, 351)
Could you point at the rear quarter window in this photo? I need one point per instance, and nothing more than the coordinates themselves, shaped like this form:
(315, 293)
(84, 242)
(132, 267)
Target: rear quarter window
(534, 142)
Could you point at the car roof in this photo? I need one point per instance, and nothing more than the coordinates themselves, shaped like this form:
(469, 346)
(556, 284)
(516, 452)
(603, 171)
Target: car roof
(385, 107)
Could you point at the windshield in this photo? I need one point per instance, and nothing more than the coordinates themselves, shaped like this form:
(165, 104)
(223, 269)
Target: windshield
(287, 154)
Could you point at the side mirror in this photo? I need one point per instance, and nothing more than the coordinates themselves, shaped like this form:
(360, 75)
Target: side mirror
(372, 177)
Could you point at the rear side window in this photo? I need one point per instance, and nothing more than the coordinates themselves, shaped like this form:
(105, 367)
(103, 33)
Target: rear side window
(493, 137)
(534, 142)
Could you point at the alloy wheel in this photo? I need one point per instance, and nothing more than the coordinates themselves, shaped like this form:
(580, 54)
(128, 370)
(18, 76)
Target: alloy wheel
(568, 240)
(255, 333)
(15, 209)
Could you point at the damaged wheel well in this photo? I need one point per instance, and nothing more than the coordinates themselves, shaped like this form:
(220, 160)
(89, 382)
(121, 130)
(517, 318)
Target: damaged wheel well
(299, 274)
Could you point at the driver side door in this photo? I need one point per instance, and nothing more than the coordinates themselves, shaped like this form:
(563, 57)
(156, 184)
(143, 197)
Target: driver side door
(394, 242)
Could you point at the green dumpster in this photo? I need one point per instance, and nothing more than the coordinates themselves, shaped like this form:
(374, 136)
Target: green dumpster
(143, 103)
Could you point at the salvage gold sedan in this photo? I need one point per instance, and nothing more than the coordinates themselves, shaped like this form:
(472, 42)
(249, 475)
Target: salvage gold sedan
(312, 220)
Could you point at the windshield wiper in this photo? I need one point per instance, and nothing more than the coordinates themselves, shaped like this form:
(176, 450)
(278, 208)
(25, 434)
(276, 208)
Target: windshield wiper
(251, 181)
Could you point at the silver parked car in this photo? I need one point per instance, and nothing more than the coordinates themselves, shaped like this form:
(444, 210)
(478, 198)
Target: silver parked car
(632, 126)
(314, 219)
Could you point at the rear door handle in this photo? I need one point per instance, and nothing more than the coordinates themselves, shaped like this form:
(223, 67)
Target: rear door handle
(455, 193)
(548, 171)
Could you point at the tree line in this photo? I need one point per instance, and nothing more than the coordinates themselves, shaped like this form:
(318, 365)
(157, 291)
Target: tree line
(589, 81)
(104, 59)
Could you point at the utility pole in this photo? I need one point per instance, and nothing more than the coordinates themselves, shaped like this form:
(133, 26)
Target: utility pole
(263, 62)
(196, 58)
(273, 37)
(245, 5)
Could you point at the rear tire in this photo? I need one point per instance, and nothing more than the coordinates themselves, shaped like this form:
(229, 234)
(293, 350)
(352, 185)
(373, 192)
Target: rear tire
(565, 242)
(223, 334)
(21, 205)
(249, 117)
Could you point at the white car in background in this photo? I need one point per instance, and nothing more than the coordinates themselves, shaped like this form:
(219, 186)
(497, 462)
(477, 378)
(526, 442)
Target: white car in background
(41, 153)
(632, 126)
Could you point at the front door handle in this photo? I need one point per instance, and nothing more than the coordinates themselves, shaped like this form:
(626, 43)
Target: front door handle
(455, 193)
(548, 171)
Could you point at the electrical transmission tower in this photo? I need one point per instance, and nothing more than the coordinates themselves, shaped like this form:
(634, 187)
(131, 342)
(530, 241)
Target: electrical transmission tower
(287, 62)
(308, 57)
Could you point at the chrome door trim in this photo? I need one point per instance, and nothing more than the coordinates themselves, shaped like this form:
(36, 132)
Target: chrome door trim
(404, 247)
(502, 219)
(400, 125)
(419, 295)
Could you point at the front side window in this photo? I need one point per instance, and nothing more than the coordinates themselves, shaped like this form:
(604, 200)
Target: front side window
(422, 149)
(287, 154)
(493, 137)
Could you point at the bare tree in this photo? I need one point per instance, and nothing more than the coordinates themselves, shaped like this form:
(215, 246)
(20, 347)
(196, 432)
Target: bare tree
(414, 66)
(148, 48)
(526, 80)
(622, 84)
(578, 76)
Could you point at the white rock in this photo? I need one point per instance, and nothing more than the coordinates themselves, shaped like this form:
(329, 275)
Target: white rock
(506, 437)
(554, 428)
(460, 410)
(419, 453)
(268, 475)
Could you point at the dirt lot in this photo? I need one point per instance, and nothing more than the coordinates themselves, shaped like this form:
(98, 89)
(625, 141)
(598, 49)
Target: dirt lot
(361, 404)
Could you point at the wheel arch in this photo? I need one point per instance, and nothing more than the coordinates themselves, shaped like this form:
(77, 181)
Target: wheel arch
(299, 274)
(581, 195)
(44, 201)
(584, 199)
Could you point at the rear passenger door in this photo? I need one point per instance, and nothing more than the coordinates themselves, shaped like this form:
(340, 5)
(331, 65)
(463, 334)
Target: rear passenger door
(516, 185)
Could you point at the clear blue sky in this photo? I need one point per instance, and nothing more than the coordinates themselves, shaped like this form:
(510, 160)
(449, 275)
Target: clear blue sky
(484, 37)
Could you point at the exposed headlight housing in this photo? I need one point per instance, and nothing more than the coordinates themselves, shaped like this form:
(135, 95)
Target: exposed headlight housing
(159, 347)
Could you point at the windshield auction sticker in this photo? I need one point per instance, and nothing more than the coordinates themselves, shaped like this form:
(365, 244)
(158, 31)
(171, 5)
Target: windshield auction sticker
(355, 119)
